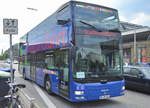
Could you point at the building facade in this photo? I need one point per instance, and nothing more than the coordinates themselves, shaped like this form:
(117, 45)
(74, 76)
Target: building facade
(136, 43)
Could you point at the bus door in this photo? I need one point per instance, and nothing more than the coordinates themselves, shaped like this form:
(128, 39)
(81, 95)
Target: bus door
(32, 71)
(33, 60)
(63, 67)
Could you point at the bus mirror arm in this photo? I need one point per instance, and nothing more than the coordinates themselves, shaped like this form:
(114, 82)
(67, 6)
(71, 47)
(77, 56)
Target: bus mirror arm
(63, 22)
(72, 43)
(73, 52)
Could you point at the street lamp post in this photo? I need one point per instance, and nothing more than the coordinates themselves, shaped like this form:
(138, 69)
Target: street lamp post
(148, 47)
(135, 46)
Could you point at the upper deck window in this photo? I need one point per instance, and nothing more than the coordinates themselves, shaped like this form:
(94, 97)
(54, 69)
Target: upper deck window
(97, 17)
(61, 9)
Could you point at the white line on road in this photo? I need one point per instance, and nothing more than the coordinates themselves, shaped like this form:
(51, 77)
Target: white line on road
(44, 97)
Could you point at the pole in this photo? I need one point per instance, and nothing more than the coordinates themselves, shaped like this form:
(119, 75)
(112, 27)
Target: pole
(134, 46)
(11, 58)
(11, 69)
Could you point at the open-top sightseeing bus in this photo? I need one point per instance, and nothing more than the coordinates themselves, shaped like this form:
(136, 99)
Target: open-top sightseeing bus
(75, 53)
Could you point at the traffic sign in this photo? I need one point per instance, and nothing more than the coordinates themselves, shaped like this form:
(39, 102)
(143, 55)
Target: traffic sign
(10, 26)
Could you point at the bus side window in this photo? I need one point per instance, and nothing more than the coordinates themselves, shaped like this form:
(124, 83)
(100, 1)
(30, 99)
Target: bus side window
(49, 60)
(57, 61)
(64, 13)
(61, 59)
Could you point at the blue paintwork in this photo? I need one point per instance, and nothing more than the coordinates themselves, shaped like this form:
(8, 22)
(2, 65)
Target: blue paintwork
(54, 81)
(40, 76)
(93, 91)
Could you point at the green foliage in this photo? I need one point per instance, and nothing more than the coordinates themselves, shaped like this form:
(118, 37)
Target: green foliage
(4, 56)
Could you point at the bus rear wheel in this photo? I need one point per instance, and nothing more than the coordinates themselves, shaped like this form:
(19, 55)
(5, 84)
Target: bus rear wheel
(48, 85)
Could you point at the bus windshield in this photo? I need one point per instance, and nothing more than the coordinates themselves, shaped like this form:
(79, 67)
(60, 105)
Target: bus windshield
(97, 57)
(100, 18)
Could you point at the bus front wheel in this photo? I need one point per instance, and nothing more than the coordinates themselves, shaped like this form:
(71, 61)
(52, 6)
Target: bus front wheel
(48, 85)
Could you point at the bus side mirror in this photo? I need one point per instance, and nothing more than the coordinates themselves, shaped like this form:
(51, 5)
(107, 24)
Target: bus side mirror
(62, 22)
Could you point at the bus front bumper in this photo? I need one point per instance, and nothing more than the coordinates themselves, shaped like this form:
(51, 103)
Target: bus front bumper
(96, 91)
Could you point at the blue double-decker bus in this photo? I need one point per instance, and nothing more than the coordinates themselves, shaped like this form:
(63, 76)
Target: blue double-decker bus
(75, 53)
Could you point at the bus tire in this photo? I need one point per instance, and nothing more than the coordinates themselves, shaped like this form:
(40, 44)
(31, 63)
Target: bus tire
(48, 85)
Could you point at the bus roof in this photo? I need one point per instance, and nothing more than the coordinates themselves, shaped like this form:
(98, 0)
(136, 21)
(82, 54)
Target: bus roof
(92, 4)
(63, 6)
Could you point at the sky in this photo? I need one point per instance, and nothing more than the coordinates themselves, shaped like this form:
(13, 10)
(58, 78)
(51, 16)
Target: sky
(133, 11)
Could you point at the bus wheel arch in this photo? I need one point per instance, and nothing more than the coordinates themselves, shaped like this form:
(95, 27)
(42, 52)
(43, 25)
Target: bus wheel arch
(48, 84)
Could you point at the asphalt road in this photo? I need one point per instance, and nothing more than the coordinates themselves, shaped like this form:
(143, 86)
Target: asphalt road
(131, 99)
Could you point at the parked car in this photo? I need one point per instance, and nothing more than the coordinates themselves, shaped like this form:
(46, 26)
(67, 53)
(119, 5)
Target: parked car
(137, 78)
(15, 62)
(143, 64)
(4, 87)
(7, 69)
(8, 61)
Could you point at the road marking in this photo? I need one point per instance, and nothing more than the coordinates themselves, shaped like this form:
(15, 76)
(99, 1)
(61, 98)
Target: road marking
(44, 97)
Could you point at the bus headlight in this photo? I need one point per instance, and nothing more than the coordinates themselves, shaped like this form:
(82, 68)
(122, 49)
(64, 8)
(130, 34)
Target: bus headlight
(123, 87)
(78, 92)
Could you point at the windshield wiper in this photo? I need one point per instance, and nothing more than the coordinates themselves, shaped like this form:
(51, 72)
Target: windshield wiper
(83, 22)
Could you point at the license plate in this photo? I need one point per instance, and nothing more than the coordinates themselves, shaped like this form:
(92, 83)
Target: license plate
(104, 97)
